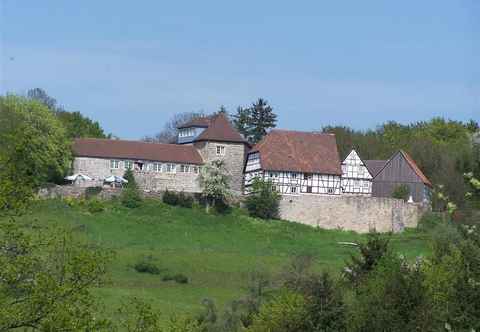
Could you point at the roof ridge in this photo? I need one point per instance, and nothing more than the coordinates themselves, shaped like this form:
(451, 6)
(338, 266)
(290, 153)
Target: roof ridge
(300, 132)
(124, 140)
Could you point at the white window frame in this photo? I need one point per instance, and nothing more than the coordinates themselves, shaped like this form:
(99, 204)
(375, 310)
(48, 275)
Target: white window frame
(114, 164)
(169, 168)
(128, 164)
(220, 150)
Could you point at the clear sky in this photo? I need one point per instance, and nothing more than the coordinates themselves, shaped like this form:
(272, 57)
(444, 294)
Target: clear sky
(132, 64)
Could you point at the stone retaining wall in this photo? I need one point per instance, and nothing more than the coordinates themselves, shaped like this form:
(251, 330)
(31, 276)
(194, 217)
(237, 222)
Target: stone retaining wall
(356, 213)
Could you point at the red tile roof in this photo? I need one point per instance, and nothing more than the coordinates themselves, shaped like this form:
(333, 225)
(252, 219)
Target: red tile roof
(105, 148)
(220, 129)
(416, 169)
(203, 121)
(284, 150)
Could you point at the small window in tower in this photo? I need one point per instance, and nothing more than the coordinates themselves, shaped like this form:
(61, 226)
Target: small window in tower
(220, 150)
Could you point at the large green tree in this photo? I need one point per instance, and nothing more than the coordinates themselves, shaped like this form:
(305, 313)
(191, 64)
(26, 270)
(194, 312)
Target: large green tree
(255, 121)
(34, 149)
(46, 281)
(76, 124)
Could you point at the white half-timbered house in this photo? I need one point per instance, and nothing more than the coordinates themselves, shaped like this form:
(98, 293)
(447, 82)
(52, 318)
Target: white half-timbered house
(356, 178)
(296, 163)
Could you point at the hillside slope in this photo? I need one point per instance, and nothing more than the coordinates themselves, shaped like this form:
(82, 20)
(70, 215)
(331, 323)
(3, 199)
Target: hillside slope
(216, 252)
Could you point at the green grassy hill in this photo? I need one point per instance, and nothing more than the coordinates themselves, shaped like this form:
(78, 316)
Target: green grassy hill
(216, 252)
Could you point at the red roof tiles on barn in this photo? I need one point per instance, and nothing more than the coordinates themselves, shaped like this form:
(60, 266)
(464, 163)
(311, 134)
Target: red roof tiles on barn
(416, 169)
(285, 150)
(135, 150)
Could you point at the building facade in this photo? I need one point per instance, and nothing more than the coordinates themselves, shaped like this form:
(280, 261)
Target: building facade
(400, 169)
(296, 163)
(356, 178)
(160, 167)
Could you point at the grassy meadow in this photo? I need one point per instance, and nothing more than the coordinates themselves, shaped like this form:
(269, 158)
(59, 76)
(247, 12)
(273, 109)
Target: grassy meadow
(215, 252)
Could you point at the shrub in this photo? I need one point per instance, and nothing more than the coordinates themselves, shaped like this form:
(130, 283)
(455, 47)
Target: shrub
(92, 192)
(285, 313)
(170, 198)
(430, 221)
(180, 278)
(376, 247)
(185, 201)
(130, 196)
(263, 201)
(401, 191)
(146, 266)
(95, 205)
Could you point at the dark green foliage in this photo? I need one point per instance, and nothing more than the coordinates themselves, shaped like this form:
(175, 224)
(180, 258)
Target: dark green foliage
(185, 201)
(402, 192)
(47, 280)
(254, 122)
(392, 298)
(325, 308)
(146, 265)
(130, 196)
(170, 198)
(180, 278)
(263, 201)
(92, 192)
(370, 252)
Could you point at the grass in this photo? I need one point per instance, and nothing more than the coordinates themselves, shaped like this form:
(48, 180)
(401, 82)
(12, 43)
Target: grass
(215, 252)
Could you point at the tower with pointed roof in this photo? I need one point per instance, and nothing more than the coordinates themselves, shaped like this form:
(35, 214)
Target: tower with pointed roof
(215, 138)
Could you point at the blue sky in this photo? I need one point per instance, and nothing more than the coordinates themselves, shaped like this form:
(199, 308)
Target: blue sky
(131, 65)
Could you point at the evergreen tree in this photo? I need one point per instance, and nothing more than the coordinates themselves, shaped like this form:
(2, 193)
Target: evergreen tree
(262, 119)
(242, 120)
(253, 122)
(131, 197)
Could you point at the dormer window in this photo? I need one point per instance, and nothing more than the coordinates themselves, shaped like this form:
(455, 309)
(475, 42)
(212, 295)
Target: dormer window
(187, 132)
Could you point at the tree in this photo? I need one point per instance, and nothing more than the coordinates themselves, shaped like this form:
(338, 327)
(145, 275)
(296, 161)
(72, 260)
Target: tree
(241, 121)
(325, 308)
(76, 124)
(46, 281)
(402, 192)
(130, 196)
(214, 181)
(392, 298)
(170, 130)
(371, 252)
(254, 122)
(263, 119)
(285, 313)
(263, 201)
(34, 149)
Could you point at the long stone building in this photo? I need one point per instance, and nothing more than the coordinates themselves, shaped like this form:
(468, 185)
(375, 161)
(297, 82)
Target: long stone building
(158, 166)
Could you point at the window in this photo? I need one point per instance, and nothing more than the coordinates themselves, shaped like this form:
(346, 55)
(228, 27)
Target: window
(309, 189)
(114, 164)
(185, 168)
(330, 190)
(307, 176)
(293, 175)
(169, 168)
(220, 150)
(157, 167)
(186, 132)
(293, 190)
(195, 169)
(127, 164)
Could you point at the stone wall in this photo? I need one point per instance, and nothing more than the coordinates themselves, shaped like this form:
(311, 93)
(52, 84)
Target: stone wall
(99, 169)
(234, 158)
(356, 213)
